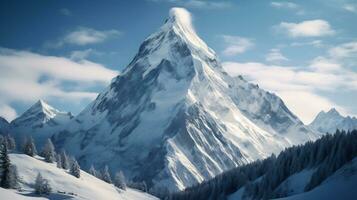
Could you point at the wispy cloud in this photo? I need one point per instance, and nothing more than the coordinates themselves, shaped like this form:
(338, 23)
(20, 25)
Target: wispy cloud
(236, 45)
(26, 77)
(275, 55)
(350, 7)
(7, 112)
(65, 12)
(309, 28)
(84, 36)
(287, 6)
(314, 43)
(197, 4)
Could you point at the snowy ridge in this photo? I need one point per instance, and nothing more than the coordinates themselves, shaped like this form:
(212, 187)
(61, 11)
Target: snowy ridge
(332, 120)
(174, 118)
(40, 121)
(83, 188)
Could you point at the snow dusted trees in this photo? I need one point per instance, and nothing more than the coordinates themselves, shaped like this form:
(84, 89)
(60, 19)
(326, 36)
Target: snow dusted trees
(119, 180)
(48, 151)
(42, 186)
(326, 154)
(75, 170)
(8, 173)
(64, 160)
(29, 147)
(106, 175)
(94, 172)
(4, 166)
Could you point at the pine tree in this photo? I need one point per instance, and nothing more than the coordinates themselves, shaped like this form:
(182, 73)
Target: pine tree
(48, 151)
(119, 180)
(75, 169)
(64, 160)
(10, 142)
(42, 186)
(29, 147)
(58, 161)
(94, 172)
(106, 175)
(4, 166)
(14, 177)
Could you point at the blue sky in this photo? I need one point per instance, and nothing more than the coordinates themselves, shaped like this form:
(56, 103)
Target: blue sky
(65, 52)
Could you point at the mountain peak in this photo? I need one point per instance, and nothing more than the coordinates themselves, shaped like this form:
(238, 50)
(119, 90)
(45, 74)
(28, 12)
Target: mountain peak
(180, 16)
(333, 111)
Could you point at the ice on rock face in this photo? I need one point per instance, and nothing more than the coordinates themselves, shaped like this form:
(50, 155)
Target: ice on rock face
(174, 118)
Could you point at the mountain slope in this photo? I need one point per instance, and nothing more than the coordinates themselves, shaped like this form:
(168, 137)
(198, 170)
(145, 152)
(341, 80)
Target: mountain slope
(85, 187)
(40, 121)
(332, 120)
(174, 118)
(4, 126)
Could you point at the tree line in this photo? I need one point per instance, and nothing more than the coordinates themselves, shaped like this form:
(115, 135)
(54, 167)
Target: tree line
(9, 176)
(262, 178)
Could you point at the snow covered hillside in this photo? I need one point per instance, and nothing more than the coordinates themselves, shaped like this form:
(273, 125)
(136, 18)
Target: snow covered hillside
(40, 121)
(332, 120)
(175, 118)
(341, 185)
(64, 185)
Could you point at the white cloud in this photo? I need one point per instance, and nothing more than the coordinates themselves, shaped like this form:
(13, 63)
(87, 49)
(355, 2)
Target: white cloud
(65, 12)
(325, 65)
(85, 36)
(314, 43)
(236, 45)
(345, 50)
(82, 54)
(7, 112)
(198, 4)
(300, 87)
(310, 28)
(27, 77)
(275, 55)
(350, 7)
(288, 6)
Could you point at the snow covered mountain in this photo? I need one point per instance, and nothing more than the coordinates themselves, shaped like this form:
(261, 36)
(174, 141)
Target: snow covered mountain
(4, 126)
(174, 117)
(40, 121)
(332, 120)
(64, 185)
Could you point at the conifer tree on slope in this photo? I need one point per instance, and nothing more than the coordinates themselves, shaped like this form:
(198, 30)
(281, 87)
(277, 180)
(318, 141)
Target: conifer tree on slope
(29, 147)
(106, 175)
(94, 172)
(48, 151)
(64, 160)
(4, 166)
(119, 180)
(42, 186)
(75, 169)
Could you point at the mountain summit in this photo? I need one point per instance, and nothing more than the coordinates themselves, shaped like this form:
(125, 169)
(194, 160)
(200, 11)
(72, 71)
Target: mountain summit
(174, 118)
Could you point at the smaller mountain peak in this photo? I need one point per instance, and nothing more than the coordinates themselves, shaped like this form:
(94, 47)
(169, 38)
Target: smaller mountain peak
(333, 111)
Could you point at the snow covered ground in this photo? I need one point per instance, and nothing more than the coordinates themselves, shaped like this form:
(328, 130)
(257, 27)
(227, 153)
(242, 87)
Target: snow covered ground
(64, 185)
(341, 185)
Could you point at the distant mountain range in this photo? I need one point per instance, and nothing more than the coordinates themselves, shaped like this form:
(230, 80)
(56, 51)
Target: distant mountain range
(328, 122)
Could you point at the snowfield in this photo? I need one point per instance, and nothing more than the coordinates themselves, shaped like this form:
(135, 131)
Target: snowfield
(341, 185)
(64, 185)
